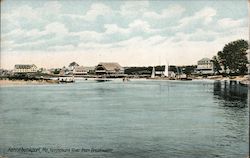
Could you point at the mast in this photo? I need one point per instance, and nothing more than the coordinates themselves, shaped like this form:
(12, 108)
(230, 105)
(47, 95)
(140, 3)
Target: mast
(248, 51)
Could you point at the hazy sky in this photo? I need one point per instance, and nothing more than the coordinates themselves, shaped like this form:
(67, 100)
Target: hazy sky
(133, 33)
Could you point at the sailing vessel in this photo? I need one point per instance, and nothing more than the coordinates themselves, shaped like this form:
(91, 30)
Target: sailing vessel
(153, 73)
(166, 70)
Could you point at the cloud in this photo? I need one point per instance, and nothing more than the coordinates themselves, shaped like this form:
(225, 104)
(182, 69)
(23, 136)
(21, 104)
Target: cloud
(53, 28)
(57, 28)
(95, 10)
(87, 36)
(51, 7)
(52, 34)
(171, 11)
(136, 26)
(136, 41)
(25, 10)
(133, 9)
(28, 12)
(140, 25)
(205, 15)
(114, 28)
(229, 23)
(137, 34)
(202, 35)
(18, 35)
(29, 17)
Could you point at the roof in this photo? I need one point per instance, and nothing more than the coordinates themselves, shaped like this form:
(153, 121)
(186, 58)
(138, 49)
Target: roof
(110, 66)
(84, 68)
(79, 68)
(205, 59)
(24, 66)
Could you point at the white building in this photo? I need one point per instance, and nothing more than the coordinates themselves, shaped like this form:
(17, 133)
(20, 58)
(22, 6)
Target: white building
(205, 66)
(21, 68)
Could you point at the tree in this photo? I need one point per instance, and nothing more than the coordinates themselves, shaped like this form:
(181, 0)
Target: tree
(233, 56)
(56, 71)
(188, 70)
(73, 64)
(216, 64)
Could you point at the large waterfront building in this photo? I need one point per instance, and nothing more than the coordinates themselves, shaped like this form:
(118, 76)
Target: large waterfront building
(21, 68)
(109, 68)
(205, 66)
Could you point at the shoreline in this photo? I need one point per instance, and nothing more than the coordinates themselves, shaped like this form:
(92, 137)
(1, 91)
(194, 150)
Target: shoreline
(7, 82)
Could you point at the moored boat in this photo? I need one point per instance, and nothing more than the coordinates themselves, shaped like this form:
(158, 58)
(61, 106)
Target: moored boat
(102, 80)
(66, 80)
(70, 81)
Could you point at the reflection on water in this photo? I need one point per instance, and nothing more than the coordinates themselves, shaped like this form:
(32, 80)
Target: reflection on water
(136, 119)
(231, 93)
(234, 113)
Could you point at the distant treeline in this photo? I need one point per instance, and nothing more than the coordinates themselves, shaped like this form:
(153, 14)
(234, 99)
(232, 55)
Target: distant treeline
(148, 70)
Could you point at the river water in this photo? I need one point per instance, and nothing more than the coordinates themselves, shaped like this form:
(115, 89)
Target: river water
(135, 119)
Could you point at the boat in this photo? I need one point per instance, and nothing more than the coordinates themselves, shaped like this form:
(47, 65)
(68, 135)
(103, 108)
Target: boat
(102, 80)
(245, 82)
(66, 80)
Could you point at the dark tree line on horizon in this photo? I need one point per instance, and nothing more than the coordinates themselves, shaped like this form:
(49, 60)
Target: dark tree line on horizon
(148, 70)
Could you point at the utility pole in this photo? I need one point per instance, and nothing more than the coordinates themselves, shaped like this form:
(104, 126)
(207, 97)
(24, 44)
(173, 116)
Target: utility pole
(248, 51)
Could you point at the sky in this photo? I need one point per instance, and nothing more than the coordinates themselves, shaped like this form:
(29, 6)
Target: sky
(52, 33)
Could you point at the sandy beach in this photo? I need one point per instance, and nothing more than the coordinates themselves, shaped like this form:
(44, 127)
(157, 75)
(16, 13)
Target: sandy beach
(233, 78)
(23, 82)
